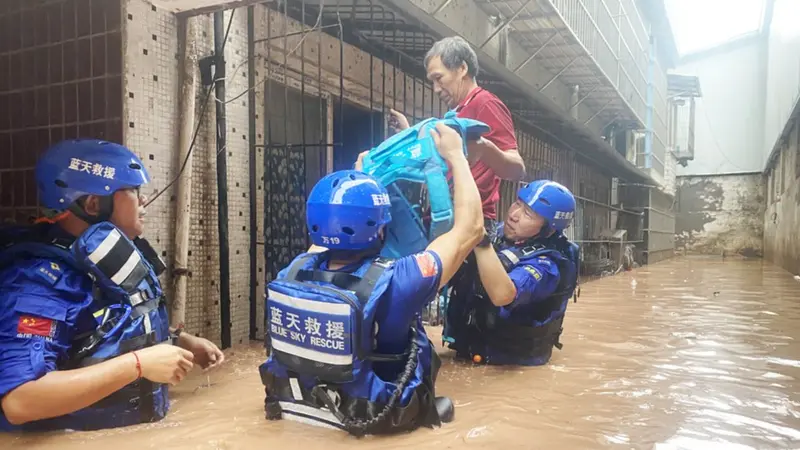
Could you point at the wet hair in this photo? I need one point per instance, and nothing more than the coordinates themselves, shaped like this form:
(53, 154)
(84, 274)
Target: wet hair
(454, 51)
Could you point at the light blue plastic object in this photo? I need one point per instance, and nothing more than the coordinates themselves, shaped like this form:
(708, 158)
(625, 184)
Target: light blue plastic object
(411, 156)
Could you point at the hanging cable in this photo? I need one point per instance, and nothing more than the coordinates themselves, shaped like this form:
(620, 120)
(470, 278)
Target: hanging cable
(292, 51)
(209, 90)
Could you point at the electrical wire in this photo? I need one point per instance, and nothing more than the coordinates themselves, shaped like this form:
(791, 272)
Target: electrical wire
(200, 121)
(294, 50)
(210, 90)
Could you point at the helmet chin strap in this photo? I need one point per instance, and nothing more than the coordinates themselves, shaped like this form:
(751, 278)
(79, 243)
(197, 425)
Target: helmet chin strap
(106, 204)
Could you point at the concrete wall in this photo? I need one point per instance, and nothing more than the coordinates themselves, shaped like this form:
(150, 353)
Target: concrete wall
(783, 72)
(659, 223)
(782, 215)
(728, 119)
(720, 213)
(749, 92)
(151, 118)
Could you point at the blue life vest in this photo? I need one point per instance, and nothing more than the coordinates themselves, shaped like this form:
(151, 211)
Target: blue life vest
(321, 338)
(411, 156)
(128, 307)
(476, 327)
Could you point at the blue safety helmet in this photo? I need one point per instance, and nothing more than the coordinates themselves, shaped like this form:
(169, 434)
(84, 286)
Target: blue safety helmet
(75, 168)
(346, 210)
(550, 200)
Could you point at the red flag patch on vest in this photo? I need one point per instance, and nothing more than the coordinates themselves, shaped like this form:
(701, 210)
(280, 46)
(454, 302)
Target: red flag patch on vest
(36, 326)
(427, 264)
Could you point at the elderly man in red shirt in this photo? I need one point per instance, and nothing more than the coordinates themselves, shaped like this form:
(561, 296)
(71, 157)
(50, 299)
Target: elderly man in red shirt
(452, 67)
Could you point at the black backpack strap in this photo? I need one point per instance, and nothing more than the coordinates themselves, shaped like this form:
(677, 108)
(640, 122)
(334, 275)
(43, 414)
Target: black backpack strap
(361, 286)
(297, 265)
(371, 277)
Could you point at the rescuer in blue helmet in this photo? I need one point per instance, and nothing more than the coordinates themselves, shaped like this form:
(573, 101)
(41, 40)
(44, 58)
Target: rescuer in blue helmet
(512, 311)
(84, 336)
(346, 344)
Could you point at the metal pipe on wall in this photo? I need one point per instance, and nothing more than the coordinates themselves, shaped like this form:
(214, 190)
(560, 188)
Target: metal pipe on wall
(648, 137)
(268, 167)
(251, 124)
(222, 182)
(302, 105)
(184, 188)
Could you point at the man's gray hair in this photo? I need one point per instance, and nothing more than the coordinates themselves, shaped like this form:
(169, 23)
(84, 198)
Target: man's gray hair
(453, 51)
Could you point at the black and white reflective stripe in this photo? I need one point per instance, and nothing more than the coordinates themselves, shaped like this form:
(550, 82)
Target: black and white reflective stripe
(333, 309)
(118, 259)
(297, 393)
(105, 247)
(309, 415)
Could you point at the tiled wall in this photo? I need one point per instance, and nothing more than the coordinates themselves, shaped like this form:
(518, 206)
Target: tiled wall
(150, 115)
(60, 77)
(151, 104)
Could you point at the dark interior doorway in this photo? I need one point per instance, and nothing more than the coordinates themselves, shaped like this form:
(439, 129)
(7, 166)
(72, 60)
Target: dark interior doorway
(351, 133)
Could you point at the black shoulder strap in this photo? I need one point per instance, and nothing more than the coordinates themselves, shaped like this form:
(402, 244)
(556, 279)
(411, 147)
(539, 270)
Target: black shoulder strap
(297, 265)
(361, 286)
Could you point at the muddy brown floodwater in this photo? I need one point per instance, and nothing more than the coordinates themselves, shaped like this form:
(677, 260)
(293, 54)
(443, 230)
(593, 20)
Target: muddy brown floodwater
(694, 353)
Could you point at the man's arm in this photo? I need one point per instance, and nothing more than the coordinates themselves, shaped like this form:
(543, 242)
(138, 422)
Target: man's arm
(495, 280)
(507, 164)
(206, 354)
(454, 246)
(498, 148)
(62, 392)
(529, 282)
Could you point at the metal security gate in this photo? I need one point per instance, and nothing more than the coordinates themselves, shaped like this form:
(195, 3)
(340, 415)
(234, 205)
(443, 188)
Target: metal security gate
(331, 72)
(294, 161)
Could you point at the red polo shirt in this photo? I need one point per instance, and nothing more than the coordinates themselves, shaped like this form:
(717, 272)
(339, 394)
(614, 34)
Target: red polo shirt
(484, 106)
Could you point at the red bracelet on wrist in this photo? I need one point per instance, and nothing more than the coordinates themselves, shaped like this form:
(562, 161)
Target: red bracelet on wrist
(138, 365)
